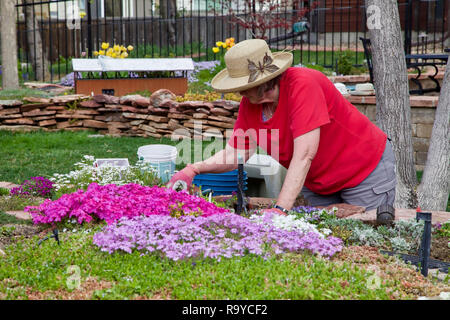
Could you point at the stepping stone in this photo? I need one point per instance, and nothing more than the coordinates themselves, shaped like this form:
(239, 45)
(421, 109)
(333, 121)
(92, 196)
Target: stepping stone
(345, 209)
(8, 185)
(20, 214)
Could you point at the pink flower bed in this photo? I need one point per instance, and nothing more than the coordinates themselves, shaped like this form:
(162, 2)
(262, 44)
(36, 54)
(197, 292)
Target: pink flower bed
(112, 202)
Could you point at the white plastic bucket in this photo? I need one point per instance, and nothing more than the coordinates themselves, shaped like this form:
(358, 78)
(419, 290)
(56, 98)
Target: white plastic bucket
(161, 157)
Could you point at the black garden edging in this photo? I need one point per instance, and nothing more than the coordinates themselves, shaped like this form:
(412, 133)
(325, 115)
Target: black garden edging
(415, 260)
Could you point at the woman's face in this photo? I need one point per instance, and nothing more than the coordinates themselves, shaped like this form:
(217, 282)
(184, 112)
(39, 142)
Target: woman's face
(270, 96)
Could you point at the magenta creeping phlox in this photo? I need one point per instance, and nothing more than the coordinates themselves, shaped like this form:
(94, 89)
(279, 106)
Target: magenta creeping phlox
(35, 186)
(112, 202)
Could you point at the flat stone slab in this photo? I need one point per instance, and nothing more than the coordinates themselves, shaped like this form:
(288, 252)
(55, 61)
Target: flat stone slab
(8, 185)
(401, 214)
(20, 214)
(345, 209)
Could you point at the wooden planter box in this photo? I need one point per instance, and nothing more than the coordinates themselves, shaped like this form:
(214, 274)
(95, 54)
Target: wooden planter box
(122, 87)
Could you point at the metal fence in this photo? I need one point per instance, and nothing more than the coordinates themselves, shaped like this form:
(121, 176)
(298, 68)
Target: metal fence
(50, 33)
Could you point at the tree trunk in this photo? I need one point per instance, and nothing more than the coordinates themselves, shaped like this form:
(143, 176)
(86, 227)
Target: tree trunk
(446, 22)
(433, 191)
(10, 74)
(168, 9)
(392, 93)
(35, 50)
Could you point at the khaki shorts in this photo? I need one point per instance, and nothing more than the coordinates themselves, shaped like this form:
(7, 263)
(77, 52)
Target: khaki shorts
(376, 190)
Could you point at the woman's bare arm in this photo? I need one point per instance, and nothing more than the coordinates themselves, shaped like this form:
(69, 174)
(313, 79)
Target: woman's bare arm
(305, 149)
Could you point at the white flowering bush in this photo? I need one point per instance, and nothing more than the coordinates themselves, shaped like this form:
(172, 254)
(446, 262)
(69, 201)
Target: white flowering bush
(289, 223)
(85, 173)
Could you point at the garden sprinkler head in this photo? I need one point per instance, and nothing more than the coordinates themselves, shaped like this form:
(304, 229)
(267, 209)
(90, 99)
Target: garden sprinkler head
(54, 235)
(180, 185)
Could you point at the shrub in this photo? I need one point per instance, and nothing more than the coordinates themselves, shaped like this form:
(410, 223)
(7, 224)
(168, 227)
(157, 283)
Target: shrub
(4, 191)
(344, 63)
(35, 186)
(366, 236)
(85, 173)
(442, 230)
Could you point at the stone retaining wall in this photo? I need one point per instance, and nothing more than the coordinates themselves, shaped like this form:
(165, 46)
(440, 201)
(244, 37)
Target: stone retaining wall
(133, 115)
(161, 115)
(423, 110)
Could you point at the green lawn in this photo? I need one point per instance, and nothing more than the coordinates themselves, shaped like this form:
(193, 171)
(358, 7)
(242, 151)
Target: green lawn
(19, 94)
(324, 57)
(41, 153)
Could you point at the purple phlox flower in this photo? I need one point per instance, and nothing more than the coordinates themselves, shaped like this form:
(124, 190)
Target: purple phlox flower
(216, 236)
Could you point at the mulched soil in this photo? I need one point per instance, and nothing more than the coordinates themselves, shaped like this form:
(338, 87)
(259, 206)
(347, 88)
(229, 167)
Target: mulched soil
(440, 249)
(84, 292)
(19, 232)
(408, 280)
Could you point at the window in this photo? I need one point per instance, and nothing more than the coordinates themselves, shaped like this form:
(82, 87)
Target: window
(117, 8)
(112, 8)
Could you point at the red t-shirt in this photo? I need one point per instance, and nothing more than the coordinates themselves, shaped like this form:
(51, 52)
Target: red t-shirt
(350, 144)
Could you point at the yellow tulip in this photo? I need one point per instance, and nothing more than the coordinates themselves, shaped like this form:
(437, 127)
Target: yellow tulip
(224, 45)
(219, 43)
(82, 14)
(116, 48)
(130, 48)
(95, 53)
(124, 55)
(105, 45)
(101, 52)
(122, 48)
(215, 49)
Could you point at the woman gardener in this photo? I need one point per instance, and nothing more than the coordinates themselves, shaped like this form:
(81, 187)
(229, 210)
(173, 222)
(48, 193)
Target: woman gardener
(333, 152)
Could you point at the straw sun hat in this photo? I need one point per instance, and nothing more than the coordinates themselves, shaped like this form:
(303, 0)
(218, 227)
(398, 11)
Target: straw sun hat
(249, 64)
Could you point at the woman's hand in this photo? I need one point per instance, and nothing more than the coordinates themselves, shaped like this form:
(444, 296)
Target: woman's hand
(273, 210)
(183, 179)
(223, 161)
